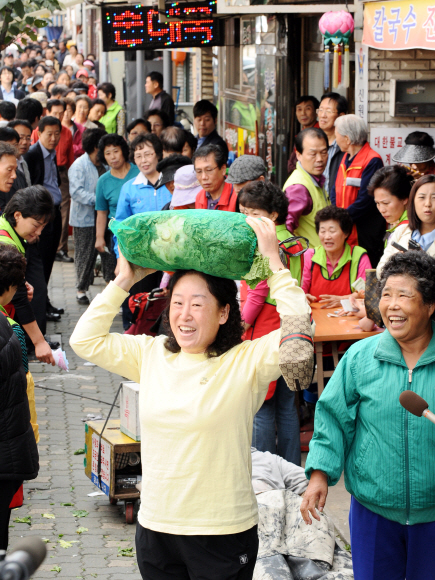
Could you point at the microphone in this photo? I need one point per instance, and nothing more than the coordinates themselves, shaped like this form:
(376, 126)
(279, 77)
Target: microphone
(25, 558)
(416, 405)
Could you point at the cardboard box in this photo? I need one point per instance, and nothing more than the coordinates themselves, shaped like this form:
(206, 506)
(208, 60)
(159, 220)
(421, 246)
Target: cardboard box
(130, 424)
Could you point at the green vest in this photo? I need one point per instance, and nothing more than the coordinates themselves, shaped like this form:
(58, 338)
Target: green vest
(248, 116)
(10, 320)
(109, 119)
(282, 234)
(320, 199)
(354, 258)
(14, 240)
(403, 218)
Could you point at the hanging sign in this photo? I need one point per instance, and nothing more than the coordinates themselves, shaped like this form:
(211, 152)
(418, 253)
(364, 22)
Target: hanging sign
(136, 27)
(399, 25)
(388, 141)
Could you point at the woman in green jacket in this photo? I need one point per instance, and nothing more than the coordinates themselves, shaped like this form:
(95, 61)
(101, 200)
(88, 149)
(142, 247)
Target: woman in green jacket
(387, 454)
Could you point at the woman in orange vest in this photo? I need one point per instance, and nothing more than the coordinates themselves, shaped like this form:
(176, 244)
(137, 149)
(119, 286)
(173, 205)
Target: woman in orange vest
(357, 167)
(390, 188)
(276, 424)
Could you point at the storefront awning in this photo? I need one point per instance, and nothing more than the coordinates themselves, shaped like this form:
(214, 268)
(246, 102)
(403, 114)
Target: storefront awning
(399, 25)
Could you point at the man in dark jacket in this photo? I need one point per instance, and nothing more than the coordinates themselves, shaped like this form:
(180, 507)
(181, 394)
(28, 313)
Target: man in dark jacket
(205, 119)
(161, 99)
(19, 458)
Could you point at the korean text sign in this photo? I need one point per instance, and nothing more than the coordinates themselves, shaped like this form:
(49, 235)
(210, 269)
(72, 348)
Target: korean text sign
(399, 25)
(387, 142)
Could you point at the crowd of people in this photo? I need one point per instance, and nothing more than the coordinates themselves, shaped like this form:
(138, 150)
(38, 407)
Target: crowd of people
(68, 160)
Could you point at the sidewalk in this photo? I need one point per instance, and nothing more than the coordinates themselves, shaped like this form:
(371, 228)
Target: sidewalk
(95, 552)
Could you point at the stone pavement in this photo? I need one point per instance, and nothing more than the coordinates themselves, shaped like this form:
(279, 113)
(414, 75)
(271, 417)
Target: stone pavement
(95, 552)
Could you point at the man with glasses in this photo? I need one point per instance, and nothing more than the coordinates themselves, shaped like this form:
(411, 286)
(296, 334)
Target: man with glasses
(210, 163)
(305, 186)
(332, 106)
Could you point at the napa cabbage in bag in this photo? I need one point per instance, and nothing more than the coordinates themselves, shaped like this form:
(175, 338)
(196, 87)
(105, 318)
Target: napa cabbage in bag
(214, 242)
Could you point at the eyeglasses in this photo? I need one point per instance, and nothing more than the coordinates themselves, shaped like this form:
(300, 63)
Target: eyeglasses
(207, 171)
(139, 156)
(326, 112)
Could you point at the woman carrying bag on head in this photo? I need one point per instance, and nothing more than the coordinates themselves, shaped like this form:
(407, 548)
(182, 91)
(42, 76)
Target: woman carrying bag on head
(200, 389)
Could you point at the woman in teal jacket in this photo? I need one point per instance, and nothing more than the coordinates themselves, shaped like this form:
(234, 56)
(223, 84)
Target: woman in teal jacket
(388, 455)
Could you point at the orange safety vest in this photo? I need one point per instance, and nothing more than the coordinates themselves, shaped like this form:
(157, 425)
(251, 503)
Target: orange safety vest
(345, 192)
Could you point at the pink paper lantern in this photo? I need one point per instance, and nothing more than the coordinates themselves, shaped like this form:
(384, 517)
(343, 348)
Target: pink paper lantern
(335, 22)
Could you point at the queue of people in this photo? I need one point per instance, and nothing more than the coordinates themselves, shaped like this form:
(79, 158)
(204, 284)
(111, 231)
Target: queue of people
(67, 158)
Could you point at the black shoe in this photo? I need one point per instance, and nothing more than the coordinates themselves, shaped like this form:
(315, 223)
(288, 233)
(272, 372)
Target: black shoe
(63, 257)
(83, 300)
(52, 317)
(53, 310)
(53, 345)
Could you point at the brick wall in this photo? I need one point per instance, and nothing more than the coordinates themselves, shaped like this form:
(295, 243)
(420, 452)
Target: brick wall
(398, 64)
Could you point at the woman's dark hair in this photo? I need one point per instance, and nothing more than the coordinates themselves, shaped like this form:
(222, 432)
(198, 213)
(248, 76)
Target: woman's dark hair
(413, 219)
(115, 141)
(146, 139)
(137, 122)
(99, 102)
(71, 103)
(393, 178)
(158, 113)
(419, 138)
(225, 292)
(418, 266)
(34, 201)
(12, 267)
(108, 89)
(29, 109)
(338, 214)
(266, 196)
(191, 140)
(91, 139)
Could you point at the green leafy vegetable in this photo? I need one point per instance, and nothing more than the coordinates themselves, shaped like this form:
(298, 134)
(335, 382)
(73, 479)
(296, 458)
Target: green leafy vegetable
(80, 451)
(56, 569)
(80, 513)
(215, 242)
(81, 530)
(65, 544)
(259, 271)
(67, 504)
(49, 516)
(127, 552)
(24, 520)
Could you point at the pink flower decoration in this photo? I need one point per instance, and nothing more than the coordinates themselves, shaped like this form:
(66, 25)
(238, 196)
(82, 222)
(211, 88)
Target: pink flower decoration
(338, 21)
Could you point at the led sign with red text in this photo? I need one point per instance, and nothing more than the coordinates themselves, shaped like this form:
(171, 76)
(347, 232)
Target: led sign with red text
(135, 27)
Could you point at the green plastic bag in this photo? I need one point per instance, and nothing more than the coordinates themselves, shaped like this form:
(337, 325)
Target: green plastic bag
(214, 242)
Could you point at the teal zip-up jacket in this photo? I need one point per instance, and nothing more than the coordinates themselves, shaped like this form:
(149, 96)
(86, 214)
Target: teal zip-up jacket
(388, 455)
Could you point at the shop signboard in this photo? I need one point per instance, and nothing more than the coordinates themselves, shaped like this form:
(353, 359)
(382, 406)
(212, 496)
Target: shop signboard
(387, 142)
(137, 27)
(105, 463)
(361, 80)
(399, 25)
(240, 141)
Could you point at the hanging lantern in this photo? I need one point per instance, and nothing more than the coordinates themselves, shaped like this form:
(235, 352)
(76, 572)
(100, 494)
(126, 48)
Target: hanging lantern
(178, 56)
(336, 28)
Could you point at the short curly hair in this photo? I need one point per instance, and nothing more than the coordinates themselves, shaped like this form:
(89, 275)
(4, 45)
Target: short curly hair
(415, 264)
(12, 267)
(114, 140)
(225, 292)
(266, 196)
(338, 214)
(146, 139)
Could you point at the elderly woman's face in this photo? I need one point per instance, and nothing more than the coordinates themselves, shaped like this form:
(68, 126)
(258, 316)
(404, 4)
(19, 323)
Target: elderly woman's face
(195, 315)
(331, 236)
(405, 315)
(342, 141)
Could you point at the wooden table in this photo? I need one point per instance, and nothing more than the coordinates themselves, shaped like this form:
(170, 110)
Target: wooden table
(333, 330)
